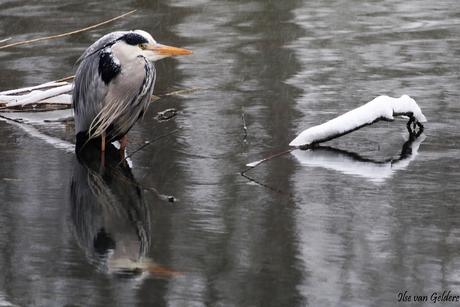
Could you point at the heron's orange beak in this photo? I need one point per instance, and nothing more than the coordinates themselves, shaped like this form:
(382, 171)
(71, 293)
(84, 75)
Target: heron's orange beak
(164, 50)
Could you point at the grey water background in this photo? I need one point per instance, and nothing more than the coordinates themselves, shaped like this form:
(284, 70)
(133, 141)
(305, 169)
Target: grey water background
(315, 236)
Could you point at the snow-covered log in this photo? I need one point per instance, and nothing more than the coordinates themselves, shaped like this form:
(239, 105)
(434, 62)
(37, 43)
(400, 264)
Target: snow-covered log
(381, 108)
(33, 88)
(56, 93)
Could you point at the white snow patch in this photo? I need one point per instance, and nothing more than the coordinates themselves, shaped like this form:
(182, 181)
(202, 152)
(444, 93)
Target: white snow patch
(32, 88)
(54, 95)
(4, 301)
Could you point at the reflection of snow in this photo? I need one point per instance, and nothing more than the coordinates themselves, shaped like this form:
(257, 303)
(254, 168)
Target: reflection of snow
(38, 117)
(31, 130)
(4, 301)
(351, 163)
(382, 107)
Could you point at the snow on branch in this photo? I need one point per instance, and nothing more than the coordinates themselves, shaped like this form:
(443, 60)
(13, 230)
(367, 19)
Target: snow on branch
(51, 92)
(381, 108)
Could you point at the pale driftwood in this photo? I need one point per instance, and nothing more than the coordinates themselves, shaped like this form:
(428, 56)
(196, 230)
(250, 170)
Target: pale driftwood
(33, 88)
(37, 96)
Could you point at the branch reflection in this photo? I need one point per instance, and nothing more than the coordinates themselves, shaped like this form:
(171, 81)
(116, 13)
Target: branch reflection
(352, 163)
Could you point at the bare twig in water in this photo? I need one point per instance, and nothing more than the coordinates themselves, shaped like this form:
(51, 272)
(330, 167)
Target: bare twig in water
(184, 91)
(179, 92)
(154, 98)
(65, 34)
(168, 198)
(20, 121)
(148, 143)
(166, 114)
(253, 165)
(245, 128)
(264, 185)
(65, 79)
(5, 40)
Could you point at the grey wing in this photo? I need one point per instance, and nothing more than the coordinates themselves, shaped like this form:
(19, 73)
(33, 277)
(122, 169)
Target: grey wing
(89, 93)
(89, 90)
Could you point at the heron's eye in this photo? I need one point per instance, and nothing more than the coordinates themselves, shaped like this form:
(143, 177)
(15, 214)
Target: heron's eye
(143, 46)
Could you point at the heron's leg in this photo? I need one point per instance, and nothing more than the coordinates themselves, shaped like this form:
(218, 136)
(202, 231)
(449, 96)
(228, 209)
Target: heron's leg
(102, 150)
(103, 142)
(123, 143)
(123, 146)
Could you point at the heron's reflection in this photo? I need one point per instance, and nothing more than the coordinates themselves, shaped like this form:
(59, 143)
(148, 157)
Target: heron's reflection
(108, 216)
(354, 164)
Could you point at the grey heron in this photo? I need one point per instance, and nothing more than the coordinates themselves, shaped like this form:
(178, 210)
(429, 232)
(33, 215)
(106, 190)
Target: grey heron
(113, 84)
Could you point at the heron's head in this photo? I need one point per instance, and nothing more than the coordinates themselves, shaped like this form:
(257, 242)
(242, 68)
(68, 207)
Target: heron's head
(139, 42)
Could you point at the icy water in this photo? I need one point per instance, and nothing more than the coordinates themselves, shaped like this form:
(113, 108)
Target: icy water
(364, 222)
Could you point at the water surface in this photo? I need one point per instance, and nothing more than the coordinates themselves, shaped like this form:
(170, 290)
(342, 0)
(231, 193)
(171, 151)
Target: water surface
(310, 234)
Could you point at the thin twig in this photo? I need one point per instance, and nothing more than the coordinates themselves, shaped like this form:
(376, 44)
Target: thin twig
(264, 185)
(154, 98)
(19, 121)
(267, 159)
(170, 199)
(245, 128)
(148, 143)
(5, 40)
(242, 173)
(65, 79)
(65, 34)
(184, 91)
